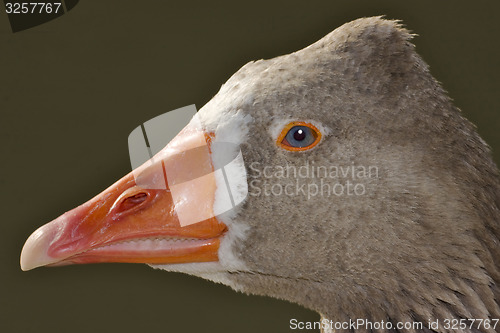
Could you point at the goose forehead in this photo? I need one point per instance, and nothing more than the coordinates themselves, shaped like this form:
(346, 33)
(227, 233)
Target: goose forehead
(270, 86)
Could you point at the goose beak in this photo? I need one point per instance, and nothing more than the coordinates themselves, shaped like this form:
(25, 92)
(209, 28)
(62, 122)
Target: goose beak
(160, 213)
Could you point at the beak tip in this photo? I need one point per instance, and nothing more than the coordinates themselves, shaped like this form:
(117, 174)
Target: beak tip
(24, 266)
(34, 253)
(27, 258)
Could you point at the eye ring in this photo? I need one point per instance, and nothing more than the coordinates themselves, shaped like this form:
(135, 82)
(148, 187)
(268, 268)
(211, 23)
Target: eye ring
(302, 131)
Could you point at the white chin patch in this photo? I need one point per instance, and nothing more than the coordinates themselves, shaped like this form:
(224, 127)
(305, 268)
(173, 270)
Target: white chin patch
(212, 271)
(230, 130)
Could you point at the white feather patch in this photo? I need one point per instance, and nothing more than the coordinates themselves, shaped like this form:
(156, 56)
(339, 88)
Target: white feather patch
(229, 126)
(232, 130)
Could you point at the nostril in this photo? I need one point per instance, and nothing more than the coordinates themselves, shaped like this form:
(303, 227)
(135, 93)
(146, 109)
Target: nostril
(133, 201)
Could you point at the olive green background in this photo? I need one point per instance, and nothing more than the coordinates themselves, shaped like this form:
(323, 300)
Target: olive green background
(72, 89)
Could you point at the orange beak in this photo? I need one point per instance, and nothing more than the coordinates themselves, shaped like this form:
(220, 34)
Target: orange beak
(141, 219)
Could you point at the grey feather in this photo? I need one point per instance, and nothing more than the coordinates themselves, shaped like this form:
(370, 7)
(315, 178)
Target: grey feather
(423, 242)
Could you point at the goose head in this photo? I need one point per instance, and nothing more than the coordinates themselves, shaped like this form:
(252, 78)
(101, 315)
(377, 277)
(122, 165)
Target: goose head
(359, 192)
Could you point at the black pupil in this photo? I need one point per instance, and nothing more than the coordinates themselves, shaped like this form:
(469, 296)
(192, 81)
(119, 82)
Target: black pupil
(299, 134)
(300, 137)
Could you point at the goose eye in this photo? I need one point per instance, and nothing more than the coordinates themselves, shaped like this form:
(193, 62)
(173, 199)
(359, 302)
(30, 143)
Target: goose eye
(298, 136)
